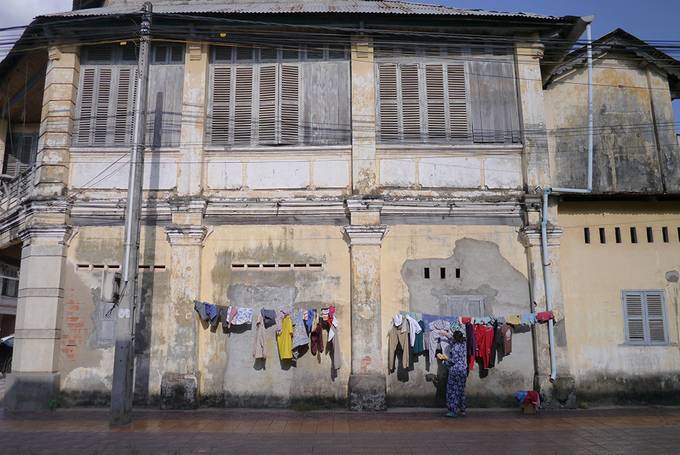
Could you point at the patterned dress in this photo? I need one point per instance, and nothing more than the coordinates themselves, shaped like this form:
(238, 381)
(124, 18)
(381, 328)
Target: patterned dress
(455, 388)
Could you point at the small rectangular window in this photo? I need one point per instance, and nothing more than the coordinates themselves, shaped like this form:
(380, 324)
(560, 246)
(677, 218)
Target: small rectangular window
(244, 54)
(442, 273)
(426, 273)
(645, 317)
(664, 234)
(268, 54)
(650, 235)
(603, 238)
(679, 234)
(457, 273)
(290, 53)
(177, 55)
(315, 52)
(586, 235)
(617, 234)
(159, 54)
(633, 235)
(222, 54)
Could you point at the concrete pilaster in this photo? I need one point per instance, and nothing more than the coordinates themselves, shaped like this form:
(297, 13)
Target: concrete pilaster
(561, 392)
(179, 383)
(367, 386)
(193, 119)
(364, 164)
(34, 380)
(536, 162)
(56, 123)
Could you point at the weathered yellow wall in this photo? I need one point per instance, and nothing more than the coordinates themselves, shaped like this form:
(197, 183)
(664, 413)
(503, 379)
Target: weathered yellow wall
(593, 276)
(225, 360)
(493, 263)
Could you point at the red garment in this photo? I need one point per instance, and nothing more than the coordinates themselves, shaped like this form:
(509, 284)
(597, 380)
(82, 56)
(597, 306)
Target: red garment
(544, 316)
(484, 335)
(331, 313)
(532, 398)
(466, 320)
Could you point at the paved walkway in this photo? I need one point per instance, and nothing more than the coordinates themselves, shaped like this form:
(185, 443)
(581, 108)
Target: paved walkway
(86, 431)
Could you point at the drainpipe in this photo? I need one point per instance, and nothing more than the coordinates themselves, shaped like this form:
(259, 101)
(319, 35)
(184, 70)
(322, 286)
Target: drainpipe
(544, 211)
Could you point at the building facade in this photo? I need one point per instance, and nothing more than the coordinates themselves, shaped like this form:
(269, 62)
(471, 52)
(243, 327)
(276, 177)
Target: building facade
(380, 157)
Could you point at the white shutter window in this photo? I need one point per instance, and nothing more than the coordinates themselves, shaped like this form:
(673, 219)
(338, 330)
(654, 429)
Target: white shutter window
(124, 106)
(656, 320)
(436, 112)
(266, 126)
(645, 317)
(290, 104)
(243, 105)
(410, 102)
(101, 120)
(459, 125)
(388, 104)
(221, 105)
(86, 106)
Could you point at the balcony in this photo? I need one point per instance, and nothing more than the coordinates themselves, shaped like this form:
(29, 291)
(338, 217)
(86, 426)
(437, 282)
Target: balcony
(14, 189)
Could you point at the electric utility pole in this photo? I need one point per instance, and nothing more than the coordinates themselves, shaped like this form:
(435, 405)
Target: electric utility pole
(123, 362)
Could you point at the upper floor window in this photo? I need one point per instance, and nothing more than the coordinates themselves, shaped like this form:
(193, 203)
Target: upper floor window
(22, 148)
(272, 96)
(107, 91)
(440, 94)
(645, 317)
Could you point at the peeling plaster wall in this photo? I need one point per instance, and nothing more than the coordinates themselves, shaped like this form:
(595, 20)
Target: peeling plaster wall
(593, 276)
(228, 373)
(493, 264)
(86, 358)
(626, 158)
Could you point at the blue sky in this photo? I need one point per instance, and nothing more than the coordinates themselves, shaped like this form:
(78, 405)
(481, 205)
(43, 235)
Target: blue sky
(648, 20)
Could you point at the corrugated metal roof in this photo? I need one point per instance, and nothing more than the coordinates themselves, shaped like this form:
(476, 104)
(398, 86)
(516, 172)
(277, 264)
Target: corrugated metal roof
(301, 7)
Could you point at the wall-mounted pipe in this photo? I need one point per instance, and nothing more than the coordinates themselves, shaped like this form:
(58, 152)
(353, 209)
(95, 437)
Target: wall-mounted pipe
(547, 283)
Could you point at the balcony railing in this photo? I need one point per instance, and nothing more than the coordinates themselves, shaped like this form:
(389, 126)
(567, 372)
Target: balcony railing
(13, 189)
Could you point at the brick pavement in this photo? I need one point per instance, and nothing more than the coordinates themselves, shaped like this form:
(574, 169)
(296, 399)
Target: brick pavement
(601, 431)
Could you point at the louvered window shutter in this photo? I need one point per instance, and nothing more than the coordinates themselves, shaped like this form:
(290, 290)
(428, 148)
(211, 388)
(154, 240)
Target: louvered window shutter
(101, 120)
(266, 126)
(221, 104)
(634, 317)
(243, 105)
(436, 112)
(410, 102)
(388, 110)
(86, 106)
(656, 321)
(124, 106)
(459, 125)
(290, 104)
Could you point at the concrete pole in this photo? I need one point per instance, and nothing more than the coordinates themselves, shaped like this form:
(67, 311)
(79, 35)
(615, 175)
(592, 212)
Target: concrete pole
(123, 363)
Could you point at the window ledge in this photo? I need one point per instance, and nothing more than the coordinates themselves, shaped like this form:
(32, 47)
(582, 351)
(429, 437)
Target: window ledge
(642, 345)
(277, 150)
(126, 148)
(455, 148)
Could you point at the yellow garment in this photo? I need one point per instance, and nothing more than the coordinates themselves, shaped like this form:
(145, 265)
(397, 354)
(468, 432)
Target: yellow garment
(284, 339)
(515, 319)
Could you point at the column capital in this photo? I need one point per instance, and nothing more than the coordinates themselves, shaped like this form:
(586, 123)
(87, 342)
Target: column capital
(59, 233)
(186, 235)
(365, 234)
(530, 236)
(365, 211)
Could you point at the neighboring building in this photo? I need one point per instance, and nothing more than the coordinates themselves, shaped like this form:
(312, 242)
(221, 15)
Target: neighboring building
(378, 156)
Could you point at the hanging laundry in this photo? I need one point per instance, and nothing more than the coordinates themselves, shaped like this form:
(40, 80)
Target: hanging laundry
(300, 337)
(506, 339)
(419, 345)
(324, 314)
(232, 314)
(471, 344)
(398, 336)
(242, 316)
(258, 345)
(210, 310)
(334, 342)
(309, 319)
(529, 318)
(216, 320)
(200, 309)
(413, 329)
(439, 331)
(522, 328)
(544, 316)
(223, 312)
(316, 338)
(484, 336)
(466, 320)
(515, 319)
(331, 314)
(428, 318)
(284, 338)
(494, 345)
(279, 318)
(269, 317)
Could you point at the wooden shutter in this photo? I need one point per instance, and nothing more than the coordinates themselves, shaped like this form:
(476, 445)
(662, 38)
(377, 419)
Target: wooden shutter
(436, 112)
(243, 105)
(656, 321)
(124, 106)
(290, 104)
(410, 101)
(101, 120)
(221, 102)
(459, 126)
(634, 317)
(388, 106)
(267, 105)
(86, 106)
(495, 116)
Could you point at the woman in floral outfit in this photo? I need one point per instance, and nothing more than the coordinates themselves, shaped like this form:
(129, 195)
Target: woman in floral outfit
(458, 371)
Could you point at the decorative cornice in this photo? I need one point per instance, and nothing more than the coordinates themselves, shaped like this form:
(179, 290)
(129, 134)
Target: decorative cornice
(58, 233)
(530, 236)
(187, 205)
(365, 205)
(365, 234)
(186, 235)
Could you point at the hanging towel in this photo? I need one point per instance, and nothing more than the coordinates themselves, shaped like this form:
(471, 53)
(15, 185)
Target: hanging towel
(515, 319)
(284, 338)
(413, 330)
(242, 316)
(258, 345)
(268, 317)
(300, 337)
(334, 340)
(544, 316)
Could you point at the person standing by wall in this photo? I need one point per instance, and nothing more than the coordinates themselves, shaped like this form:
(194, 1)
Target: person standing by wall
(456, 361)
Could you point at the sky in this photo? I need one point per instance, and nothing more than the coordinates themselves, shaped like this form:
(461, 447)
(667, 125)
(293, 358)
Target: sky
(648, 20)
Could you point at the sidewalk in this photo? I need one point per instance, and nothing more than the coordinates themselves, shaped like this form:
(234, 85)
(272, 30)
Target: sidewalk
(599, 431)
